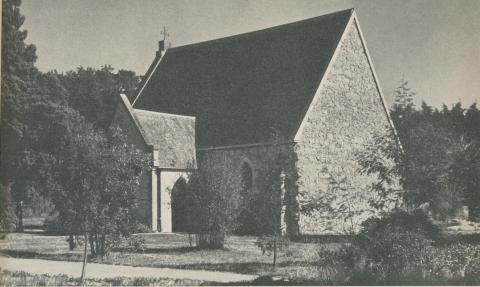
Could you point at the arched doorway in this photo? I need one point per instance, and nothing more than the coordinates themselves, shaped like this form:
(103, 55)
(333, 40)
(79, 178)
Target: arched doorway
(180, 208)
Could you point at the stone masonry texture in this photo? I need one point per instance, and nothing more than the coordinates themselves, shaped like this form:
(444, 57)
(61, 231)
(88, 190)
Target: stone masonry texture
(348, 113)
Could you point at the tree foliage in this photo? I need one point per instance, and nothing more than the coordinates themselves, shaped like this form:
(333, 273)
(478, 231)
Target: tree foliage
(403, 97)
(56, 142)
(20, 90)
(94, 92)
(94, 185)
(214, 202)
(438, 163)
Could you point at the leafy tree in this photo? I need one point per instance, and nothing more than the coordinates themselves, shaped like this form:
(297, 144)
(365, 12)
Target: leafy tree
(275, 205)
(345, 200)
(95, 179)
(128, 82)
(383, 156)
(464, 175)
(94, 93)
(270, 216)
(423, 168)
(468, 170)
(440, 149)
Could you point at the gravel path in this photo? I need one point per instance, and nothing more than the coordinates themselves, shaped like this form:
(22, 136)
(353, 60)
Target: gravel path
(103, 271)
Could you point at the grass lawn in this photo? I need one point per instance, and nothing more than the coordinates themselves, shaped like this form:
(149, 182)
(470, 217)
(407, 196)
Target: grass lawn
(297, 262)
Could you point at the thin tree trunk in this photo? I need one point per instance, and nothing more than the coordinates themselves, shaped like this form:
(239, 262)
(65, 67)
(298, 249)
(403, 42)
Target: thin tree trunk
(274, 252)
(97, 245)
(102, 242)
(71, 242)
(92, 245)
(84, 258)
(19, 213)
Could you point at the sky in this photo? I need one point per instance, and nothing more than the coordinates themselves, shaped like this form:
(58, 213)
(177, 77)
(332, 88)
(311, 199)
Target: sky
(434, 44)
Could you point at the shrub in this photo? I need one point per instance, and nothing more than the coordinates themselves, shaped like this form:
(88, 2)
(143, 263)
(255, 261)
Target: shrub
(400, 221)
(213, 238)
(136, 243)
(8, 219)
(457, 263)
(142, 228)
(397, 247)
(336, 265)
(212, 203)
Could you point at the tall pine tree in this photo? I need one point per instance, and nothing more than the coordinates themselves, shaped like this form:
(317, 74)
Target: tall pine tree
(19, 90)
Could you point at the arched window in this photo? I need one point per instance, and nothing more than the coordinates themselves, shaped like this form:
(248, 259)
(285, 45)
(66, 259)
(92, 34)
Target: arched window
(247, 178)
(246, 218)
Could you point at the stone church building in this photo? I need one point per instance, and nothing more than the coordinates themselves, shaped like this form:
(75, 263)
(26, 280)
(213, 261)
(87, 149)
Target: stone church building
(306, 89)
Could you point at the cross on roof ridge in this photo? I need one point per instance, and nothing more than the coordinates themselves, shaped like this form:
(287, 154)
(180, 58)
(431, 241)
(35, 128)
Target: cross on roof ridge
(164, 33)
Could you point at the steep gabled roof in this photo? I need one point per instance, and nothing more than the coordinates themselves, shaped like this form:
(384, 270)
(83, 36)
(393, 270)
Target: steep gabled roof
(243, 87)
(172, 135)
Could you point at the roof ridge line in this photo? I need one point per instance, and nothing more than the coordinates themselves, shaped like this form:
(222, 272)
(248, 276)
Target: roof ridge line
(268, 29)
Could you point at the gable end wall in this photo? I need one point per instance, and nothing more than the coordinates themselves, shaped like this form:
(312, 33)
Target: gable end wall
(347, 113)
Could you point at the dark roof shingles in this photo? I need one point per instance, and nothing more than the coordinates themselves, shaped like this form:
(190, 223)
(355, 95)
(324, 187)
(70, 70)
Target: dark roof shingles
(243, 87)
(172, 135)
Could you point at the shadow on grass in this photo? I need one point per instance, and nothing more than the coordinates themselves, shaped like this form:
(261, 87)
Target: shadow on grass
(241, 267)
(237, 267)
(38, 255)
(160, 250)
(269, 281)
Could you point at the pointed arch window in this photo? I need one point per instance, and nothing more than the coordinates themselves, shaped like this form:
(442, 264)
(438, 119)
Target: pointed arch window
(246, 218)
(246, 173)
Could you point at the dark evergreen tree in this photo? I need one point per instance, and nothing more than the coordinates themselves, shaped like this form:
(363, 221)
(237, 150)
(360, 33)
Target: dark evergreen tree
(440, 153)
(403, 97)
(19, 90)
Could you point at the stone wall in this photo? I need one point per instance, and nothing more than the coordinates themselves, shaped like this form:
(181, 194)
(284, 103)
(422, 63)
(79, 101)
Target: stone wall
(261, 159)
(348, 112)
(122, 120)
